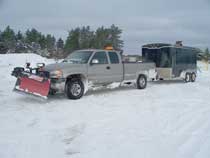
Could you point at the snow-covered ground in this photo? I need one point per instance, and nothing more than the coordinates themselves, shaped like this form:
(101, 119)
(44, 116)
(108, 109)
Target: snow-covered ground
(168, 119)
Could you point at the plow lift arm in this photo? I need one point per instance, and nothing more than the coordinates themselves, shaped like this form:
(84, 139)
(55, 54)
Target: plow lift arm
(33, 81)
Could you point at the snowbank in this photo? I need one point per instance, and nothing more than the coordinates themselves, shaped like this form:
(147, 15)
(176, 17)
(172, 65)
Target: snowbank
(21, 59)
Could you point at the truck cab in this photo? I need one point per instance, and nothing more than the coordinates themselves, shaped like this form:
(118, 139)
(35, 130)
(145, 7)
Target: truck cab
(105, 67)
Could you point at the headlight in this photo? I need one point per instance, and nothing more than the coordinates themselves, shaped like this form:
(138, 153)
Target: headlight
(40, 65)
(56, 74)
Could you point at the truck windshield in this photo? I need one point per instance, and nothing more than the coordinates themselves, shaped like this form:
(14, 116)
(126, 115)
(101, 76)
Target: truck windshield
(80, 57)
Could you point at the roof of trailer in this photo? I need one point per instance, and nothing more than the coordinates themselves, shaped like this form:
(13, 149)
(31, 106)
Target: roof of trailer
(92, 49)
(157, 45)
(162, 45)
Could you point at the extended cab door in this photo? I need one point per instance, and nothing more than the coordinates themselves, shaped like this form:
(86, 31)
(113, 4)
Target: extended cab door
(99, 68)
(116, 66)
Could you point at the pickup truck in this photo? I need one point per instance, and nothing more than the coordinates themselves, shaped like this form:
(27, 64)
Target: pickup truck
(83, 69)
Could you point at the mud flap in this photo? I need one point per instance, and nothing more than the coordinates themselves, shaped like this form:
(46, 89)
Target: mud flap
(33, 84)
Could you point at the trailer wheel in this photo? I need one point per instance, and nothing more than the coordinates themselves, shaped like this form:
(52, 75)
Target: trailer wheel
(74, 89)
(193, 77)
(142, 82)
(187, 77)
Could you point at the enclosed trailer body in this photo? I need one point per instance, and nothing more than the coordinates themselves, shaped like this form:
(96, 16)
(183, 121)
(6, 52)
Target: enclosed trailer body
(171, 61)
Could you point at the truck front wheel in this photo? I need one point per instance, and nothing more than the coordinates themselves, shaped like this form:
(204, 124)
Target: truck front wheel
(74, 89)
(141, 82)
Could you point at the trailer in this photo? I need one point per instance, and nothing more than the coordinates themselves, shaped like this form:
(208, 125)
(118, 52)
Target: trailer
(172, 61)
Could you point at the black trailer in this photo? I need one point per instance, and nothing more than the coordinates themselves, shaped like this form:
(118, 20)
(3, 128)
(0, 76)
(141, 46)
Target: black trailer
(172, 61)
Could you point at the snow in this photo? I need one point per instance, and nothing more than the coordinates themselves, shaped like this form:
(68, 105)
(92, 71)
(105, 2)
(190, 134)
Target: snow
(168, 119)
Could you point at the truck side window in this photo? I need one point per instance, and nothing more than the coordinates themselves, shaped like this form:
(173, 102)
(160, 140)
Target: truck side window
(114, 59)
(101, 57)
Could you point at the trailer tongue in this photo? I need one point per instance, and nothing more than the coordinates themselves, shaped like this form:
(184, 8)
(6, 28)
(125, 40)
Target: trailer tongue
(32, 81)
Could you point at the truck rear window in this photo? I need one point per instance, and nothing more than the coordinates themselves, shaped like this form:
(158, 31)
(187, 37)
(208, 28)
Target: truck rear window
(114, 59)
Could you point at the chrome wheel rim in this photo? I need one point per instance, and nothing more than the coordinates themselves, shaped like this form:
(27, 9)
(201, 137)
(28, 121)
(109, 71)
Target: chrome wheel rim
(142, 81)
(193, 77)
(187, 77)
(76, 89)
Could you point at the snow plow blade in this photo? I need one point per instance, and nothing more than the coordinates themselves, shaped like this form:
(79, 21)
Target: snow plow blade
(32, 83)
(34, 87)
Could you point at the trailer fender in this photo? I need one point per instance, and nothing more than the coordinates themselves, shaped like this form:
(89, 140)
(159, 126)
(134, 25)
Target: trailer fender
(183, 73)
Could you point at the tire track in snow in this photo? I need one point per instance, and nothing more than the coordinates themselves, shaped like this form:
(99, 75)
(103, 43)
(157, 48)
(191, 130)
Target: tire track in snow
(181, 128)
(196, 143)
(70, 136)
(191, 138)
(187, 116)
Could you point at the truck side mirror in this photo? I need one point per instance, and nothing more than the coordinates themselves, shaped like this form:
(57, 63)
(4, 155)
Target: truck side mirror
(94, 61)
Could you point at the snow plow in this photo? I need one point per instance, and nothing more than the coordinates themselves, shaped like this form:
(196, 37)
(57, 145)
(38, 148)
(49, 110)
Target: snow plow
(33, 81)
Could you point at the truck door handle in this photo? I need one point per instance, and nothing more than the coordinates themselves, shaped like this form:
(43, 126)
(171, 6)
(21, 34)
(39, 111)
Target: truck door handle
(108, 67)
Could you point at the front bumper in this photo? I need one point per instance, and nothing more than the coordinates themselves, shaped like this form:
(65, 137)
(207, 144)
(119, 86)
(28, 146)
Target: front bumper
(58, 85)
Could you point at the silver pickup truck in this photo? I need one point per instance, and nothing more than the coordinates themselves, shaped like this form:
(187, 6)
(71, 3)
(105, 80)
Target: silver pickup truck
(83, 69)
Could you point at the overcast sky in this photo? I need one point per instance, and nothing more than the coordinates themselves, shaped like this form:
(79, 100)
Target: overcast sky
(142, 21)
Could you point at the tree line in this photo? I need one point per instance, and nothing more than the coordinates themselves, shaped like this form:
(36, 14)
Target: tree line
(33, 41)
(206, 54)
(203, 54)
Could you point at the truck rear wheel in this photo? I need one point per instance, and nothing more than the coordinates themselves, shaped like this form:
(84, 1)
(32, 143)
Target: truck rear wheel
(74, 89)
(193, 77)
(142, 82)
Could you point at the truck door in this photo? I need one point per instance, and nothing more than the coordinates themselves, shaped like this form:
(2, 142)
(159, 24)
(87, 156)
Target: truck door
(99, 68)
(116, 67)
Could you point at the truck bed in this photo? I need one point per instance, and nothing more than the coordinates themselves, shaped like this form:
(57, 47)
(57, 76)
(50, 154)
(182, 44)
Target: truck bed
(132, 69)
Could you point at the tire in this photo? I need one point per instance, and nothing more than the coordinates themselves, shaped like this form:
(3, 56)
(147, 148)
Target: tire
(74, 89)
(187, 77)
(193, 77)
(141, 82)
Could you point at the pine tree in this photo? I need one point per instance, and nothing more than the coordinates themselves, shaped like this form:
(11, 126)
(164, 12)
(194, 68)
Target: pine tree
(100, 38)
(33, 36)
(86, 38)
(60, 48)
(0, 36)
(72, 42)
(115, 35)
(8, 38)
(50, 41)
(3, 49)
(60, 44)
(20, 43)
(206, 53)
(42, 41)
(19, 36)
